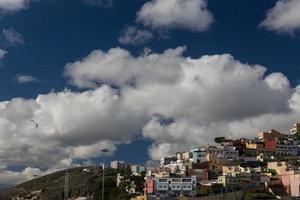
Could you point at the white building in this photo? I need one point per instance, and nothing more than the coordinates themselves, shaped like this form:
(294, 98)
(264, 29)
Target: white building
(167, 160)
(184, 186)
(295, 129)
(199, 155)
(137, 169)
(118, 164)
(177, 167)
(226, 151)
(286, 148)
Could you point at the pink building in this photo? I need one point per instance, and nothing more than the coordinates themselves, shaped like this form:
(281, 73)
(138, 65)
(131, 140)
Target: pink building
(149, 186)
(289, 178)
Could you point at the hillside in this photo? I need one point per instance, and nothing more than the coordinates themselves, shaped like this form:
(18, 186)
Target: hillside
(51, 187)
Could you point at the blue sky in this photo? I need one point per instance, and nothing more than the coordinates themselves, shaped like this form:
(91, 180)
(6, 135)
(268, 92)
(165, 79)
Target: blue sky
(42, 38)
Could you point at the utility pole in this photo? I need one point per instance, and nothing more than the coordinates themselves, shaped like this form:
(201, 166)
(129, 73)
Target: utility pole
(103, 167)
(34, 182)
(66, 192)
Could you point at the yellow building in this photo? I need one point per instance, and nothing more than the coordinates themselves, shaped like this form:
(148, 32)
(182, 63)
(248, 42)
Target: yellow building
(139, 198)
(254, 145)
(183, 155)
(230, 170)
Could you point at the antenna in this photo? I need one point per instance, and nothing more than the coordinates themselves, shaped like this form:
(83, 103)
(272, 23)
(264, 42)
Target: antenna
(66, 193)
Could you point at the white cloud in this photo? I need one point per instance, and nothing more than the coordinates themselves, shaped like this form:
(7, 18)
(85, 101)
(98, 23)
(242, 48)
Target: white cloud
(94, 150)
(133, 36)
(183, 14)
(10, 177)
(66, 125)
(284, 17)
(12, 37)
(118, 67)
(2, 53)
(157, 151)
(13, 5)
(25, 78)
(206, 97)
(173, 100)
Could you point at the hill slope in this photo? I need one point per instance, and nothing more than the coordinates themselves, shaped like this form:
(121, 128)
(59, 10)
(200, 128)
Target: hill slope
(51, 186)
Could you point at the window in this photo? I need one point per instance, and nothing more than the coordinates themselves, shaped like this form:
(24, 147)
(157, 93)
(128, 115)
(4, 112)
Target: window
(162, 180)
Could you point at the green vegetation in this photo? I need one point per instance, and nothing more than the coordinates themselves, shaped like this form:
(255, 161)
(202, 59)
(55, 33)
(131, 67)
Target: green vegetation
(220, 139)
(111, 192)
(253, 196)
(81, 184)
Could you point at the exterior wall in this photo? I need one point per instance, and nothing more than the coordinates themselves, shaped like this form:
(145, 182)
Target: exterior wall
(270, 144)
(167, 160)
(118, 164)
(286, 148)
(240, 181)
(253, 145)
(289, 179)
(184, 155)
(176, 167)
(149, 186)
(199, 156)
(172, 186)
(248, 158)
(137, 169)
(294, 185)
(265, 152)
(119, 179)
(230, 170)
(227, 151)
(179, 156)
(201, 174)
(279, 167)
(270, 135)
(295, 129)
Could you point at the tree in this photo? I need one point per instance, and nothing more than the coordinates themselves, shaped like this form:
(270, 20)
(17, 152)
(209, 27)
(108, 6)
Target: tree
(220, 139)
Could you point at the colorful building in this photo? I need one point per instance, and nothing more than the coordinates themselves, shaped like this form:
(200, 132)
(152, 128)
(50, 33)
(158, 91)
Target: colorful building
(270, 135)
(170, 186)
(289, 177)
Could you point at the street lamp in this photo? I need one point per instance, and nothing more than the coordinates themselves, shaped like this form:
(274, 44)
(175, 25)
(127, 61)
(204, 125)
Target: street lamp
(104, 151)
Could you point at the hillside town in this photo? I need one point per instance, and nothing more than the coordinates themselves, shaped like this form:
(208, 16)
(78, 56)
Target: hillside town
(267, 166)
(264, 167)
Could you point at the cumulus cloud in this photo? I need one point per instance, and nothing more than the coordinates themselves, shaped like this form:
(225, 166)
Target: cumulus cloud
(183, 14)
(283, 17)
(201, 97)
(13, 5)
(65, 125)
(25, 78)
(10, 177)
(131, 35)
(12, 37)
(175, 101)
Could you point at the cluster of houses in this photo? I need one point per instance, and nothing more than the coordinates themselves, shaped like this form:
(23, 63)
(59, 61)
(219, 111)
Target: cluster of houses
(269, 163)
